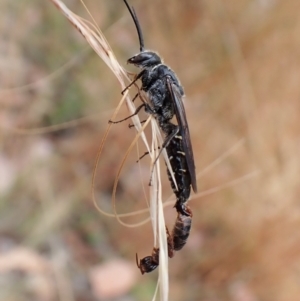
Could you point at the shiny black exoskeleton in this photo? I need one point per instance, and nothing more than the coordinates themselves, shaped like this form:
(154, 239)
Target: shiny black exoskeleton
(181, 230)
(154, 77)
(164, 100)
(176, 241)
(148, 263)
(164, 94)
(177, 158)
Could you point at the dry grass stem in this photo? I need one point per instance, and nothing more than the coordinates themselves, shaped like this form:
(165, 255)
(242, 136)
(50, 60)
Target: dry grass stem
(98, 42)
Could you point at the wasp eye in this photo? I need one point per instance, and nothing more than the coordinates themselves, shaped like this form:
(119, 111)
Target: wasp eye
(145, 59)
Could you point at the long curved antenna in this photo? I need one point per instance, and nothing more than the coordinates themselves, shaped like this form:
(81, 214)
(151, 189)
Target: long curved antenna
(137, 25)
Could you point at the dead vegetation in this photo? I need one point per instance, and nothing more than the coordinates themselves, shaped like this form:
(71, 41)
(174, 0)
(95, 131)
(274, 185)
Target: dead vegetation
(240, 67)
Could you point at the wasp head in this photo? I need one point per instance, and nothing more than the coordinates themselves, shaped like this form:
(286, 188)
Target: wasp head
(145, 59)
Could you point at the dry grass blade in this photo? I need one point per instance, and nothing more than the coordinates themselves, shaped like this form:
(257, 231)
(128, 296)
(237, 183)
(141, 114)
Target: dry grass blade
(240, 67)
(120, 170)
(97, 41)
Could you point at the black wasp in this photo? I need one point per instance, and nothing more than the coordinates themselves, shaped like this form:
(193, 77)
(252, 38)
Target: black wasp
(164, 93)
(176, 241)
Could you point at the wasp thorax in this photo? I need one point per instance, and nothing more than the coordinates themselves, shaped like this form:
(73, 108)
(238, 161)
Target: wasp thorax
(145, 59)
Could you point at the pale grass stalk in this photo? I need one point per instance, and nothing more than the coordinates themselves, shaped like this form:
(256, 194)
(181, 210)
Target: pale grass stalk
(119, 173)
(97, 41)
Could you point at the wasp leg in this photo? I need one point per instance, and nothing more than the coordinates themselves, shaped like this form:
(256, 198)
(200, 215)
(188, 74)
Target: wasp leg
(135, 113)
(136, 78)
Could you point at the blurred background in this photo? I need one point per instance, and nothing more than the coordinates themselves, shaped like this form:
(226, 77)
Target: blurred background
(239, 63)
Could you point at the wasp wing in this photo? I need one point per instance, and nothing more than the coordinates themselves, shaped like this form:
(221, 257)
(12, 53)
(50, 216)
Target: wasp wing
(184, 130)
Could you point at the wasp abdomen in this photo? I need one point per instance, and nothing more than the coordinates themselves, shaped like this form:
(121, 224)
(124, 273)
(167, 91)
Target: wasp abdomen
(181, 231)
